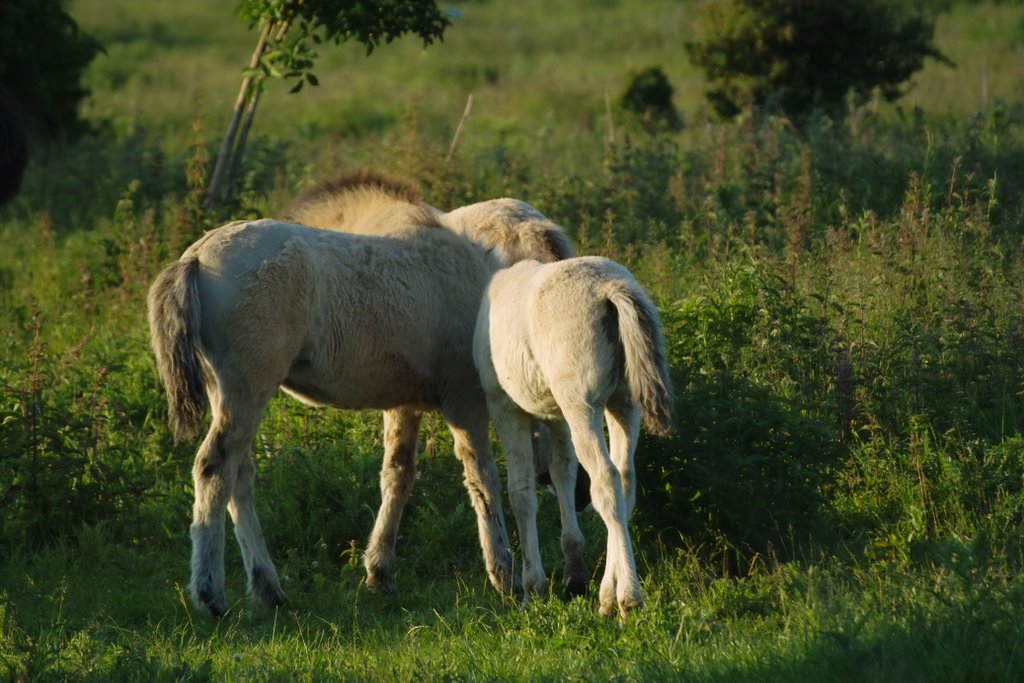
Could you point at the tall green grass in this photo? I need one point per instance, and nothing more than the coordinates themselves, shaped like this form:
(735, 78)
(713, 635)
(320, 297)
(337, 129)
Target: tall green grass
(843, 308)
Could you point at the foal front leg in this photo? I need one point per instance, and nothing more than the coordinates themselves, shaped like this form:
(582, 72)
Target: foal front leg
(469, 430)
(397, 476)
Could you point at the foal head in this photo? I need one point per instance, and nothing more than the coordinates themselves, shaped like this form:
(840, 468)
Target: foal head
(512, 230)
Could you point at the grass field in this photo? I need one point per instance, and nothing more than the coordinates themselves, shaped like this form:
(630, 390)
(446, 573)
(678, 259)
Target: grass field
(843, 498)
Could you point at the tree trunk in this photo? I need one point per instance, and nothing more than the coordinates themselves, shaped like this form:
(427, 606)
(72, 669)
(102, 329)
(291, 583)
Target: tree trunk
(224, 157)
(235, 169)
(243, 137)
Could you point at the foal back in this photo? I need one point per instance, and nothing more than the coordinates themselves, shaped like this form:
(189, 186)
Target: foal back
(348, 321)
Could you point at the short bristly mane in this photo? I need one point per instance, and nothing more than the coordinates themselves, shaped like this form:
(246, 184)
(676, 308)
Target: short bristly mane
(357, 200)
(361, 181)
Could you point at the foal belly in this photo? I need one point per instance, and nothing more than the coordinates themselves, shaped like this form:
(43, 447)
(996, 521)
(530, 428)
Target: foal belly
(380, 388)
(529, 391)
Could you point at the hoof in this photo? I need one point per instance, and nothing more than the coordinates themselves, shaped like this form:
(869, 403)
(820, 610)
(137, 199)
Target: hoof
(275, 598)
(379, 583)
(628, 608)
(503, 584)
(535, 589)
(575, 588)
(623, 609)
(216, 606)
(263, 586)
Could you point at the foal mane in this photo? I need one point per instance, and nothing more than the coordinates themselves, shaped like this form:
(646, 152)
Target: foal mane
(341, 202)
(363, 180)
(371, 202)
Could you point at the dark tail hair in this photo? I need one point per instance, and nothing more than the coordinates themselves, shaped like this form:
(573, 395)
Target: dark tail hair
(644, 346)
(174, 331)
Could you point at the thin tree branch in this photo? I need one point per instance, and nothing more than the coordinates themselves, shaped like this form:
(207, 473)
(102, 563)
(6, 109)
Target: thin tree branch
(243, 138)
(458, 131)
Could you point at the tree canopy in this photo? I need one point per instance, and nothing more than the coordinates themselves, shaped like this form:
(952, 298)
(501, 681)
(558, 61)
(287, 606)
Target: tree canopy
(43, 54)
(298, 23)
(289, 30)
(806, 55)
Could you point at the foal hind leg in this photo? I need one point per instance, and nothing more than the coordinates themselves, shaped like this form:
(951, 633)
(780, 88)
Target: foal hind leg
(620, 585)
(468, 425)
(513, 428)
(564, 470)
(262, 576)
(222, 460)
(397, 476)
(213, 479)
(623, 420)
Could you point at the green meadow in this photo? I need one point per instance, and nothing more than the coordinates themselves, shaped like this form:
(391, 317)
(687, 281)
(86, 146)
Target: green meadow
(843, 304)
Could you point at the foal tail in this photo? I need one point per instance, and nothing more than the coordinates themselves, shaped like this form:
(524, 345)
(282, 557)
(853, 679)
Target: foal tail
(644, 347)
(174, 330)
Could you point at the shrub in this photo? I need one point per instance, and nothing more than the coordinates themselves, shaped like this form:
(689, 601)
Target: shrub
(757, 424)
(806, 55)
(649, 96)
(46, 81)
(78, 442)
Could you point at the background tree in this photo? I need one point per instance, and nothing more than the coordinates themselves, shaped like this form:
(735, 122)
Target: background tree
(289, 29)
(806, 55)
(42, 56)
(648, 95)
(13, 146)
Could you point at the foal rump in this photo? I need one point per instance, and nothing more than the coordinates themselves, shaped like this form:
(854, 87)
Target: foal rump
(583, 317)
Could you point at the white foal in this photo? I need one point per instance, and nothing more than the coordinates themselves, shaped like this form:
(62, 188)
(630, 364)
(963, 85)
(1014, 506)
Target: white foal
(573, 343)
